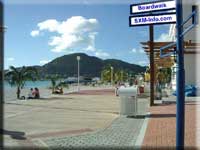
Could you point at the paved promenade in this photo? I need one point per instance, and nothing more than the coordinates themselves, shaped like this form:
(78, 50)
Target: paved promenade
(88, 119)
(122, 133)
(161, 130)
(91, 119)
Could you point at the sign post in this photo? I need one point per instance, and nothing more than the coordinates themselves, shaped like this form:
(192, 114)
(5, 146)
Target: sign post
(161, 18)
(180, 101)
(151, 47)
(180, 80)
(143, 15)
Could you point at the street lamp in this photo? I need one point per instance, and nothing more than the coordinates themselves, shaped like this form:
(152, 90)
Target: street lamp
(2, 30)
(78, 59)
(111, 78)
(122, 76)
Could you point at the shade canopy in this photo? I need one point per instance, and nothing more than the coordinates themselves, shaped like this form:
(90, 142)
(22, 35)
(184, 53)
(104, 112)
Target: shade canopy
(189, 48)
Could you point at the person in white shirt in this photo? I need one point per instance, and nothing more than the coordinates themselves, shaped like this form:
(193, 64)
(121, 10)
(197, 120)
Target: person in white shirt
(30, 94)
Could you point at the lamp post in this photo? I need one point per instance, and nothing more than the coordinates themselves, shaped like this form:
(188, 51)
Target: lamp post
(111, 78)
(122, 76)
(78, 59)
(2, 31)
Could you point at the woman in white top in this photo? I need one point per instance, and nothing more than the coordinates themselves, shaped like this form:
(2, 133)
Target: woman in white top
(30, 94)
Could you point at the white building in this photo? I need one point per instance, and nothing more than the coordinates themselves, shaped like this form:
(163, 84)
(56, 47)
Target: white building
(192, 54)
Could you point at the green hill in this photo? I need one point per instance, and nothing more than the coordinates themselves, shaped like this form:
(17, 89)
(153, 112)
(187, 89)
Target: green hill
(89, 66)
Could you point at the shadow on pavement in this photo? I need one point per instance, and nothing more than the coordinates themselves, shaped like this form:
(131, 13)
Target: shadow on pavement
(14, 134)
(137, 117)
(162, 115)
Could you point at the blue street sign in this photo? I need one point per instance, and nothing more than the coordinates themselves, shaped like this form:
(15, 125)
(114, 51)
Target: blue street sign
(152, 6)
(154, 19)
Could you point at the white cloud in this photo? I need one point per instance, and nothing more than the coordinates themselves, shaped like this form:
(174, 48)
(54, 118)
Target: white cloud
(143, 63)
(101, 54)
(35, 33)
(10, 59)
(42, 62)
(164, 37)
(133, 50)
(51, 25)
(141, 51)
(91, 45)
(76, 32)
(90, 48)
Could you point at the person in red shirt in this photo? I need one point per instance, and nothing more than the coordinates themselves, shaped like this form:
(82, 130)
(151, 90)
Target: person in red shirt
(36, 93)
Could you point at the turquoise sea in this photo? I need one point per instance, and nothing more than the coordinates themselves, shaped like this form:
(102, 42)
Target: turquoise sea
(31, 84)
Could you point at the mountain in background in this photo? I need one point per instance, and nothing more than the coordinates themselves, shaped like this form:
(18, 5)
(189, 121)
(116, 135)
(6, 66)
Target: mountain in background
(90, 66)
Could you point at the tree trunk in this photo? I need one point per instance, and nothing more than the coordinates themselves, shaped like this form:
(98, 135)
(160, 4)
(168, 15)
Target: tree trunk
(53, 90)
(18, 92)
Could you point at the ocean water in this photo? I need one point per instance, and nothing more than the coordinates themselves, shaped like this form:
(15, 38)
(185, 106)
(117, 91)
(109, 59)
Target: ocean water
(10, 92)
(30, 84)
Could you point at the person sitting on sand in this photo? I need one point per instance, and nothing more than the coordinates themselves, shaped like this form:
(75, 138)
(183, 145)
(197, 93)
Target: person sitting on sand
(30, 94)
(36, 93)
(59, 90)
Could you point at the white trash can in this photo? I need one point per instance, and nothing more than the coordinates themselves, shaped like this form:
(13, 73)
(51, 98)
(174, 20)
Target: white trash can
(128, 100)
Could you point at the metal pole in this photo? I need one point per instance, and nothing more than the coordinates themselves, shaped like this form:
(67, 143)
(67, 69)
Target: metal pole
(151, 48)
(78, 59)
(1, 69)
(122, 76)
(111, 78)
(180, 80)
(2, 29)
(78, 75)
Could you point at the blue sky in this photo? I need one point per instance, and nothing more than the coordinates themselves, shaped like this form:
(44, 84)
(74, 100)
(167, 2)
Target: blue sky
(39, 33)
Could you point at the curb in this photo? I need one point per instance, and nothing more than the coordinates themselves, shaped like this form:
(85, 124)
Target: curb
(141, 135)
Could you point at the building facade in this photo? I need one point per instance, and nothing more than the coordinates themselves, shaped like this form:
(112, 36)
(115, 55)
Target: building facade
(192, 56)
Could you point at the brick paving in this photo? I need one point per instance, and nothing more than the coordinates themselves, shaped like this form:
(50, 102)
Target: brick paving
(60, 133)
(122, 133)
(161, 130)
(94, 92)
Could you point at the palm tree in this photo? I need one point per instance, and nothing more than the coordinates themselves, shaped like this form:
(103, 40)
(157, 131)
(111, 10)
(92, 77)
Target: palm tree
(53, 79)
(121, 75)
(54, 84)
(106, 74)
(19, 76)
(117, 76)
(164, 75)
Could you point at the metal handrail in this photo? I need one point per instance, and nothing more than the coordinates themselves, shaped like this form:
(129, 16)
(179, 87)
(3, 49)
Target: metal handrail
(189, 17)
(194, 22)
(166, 47)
